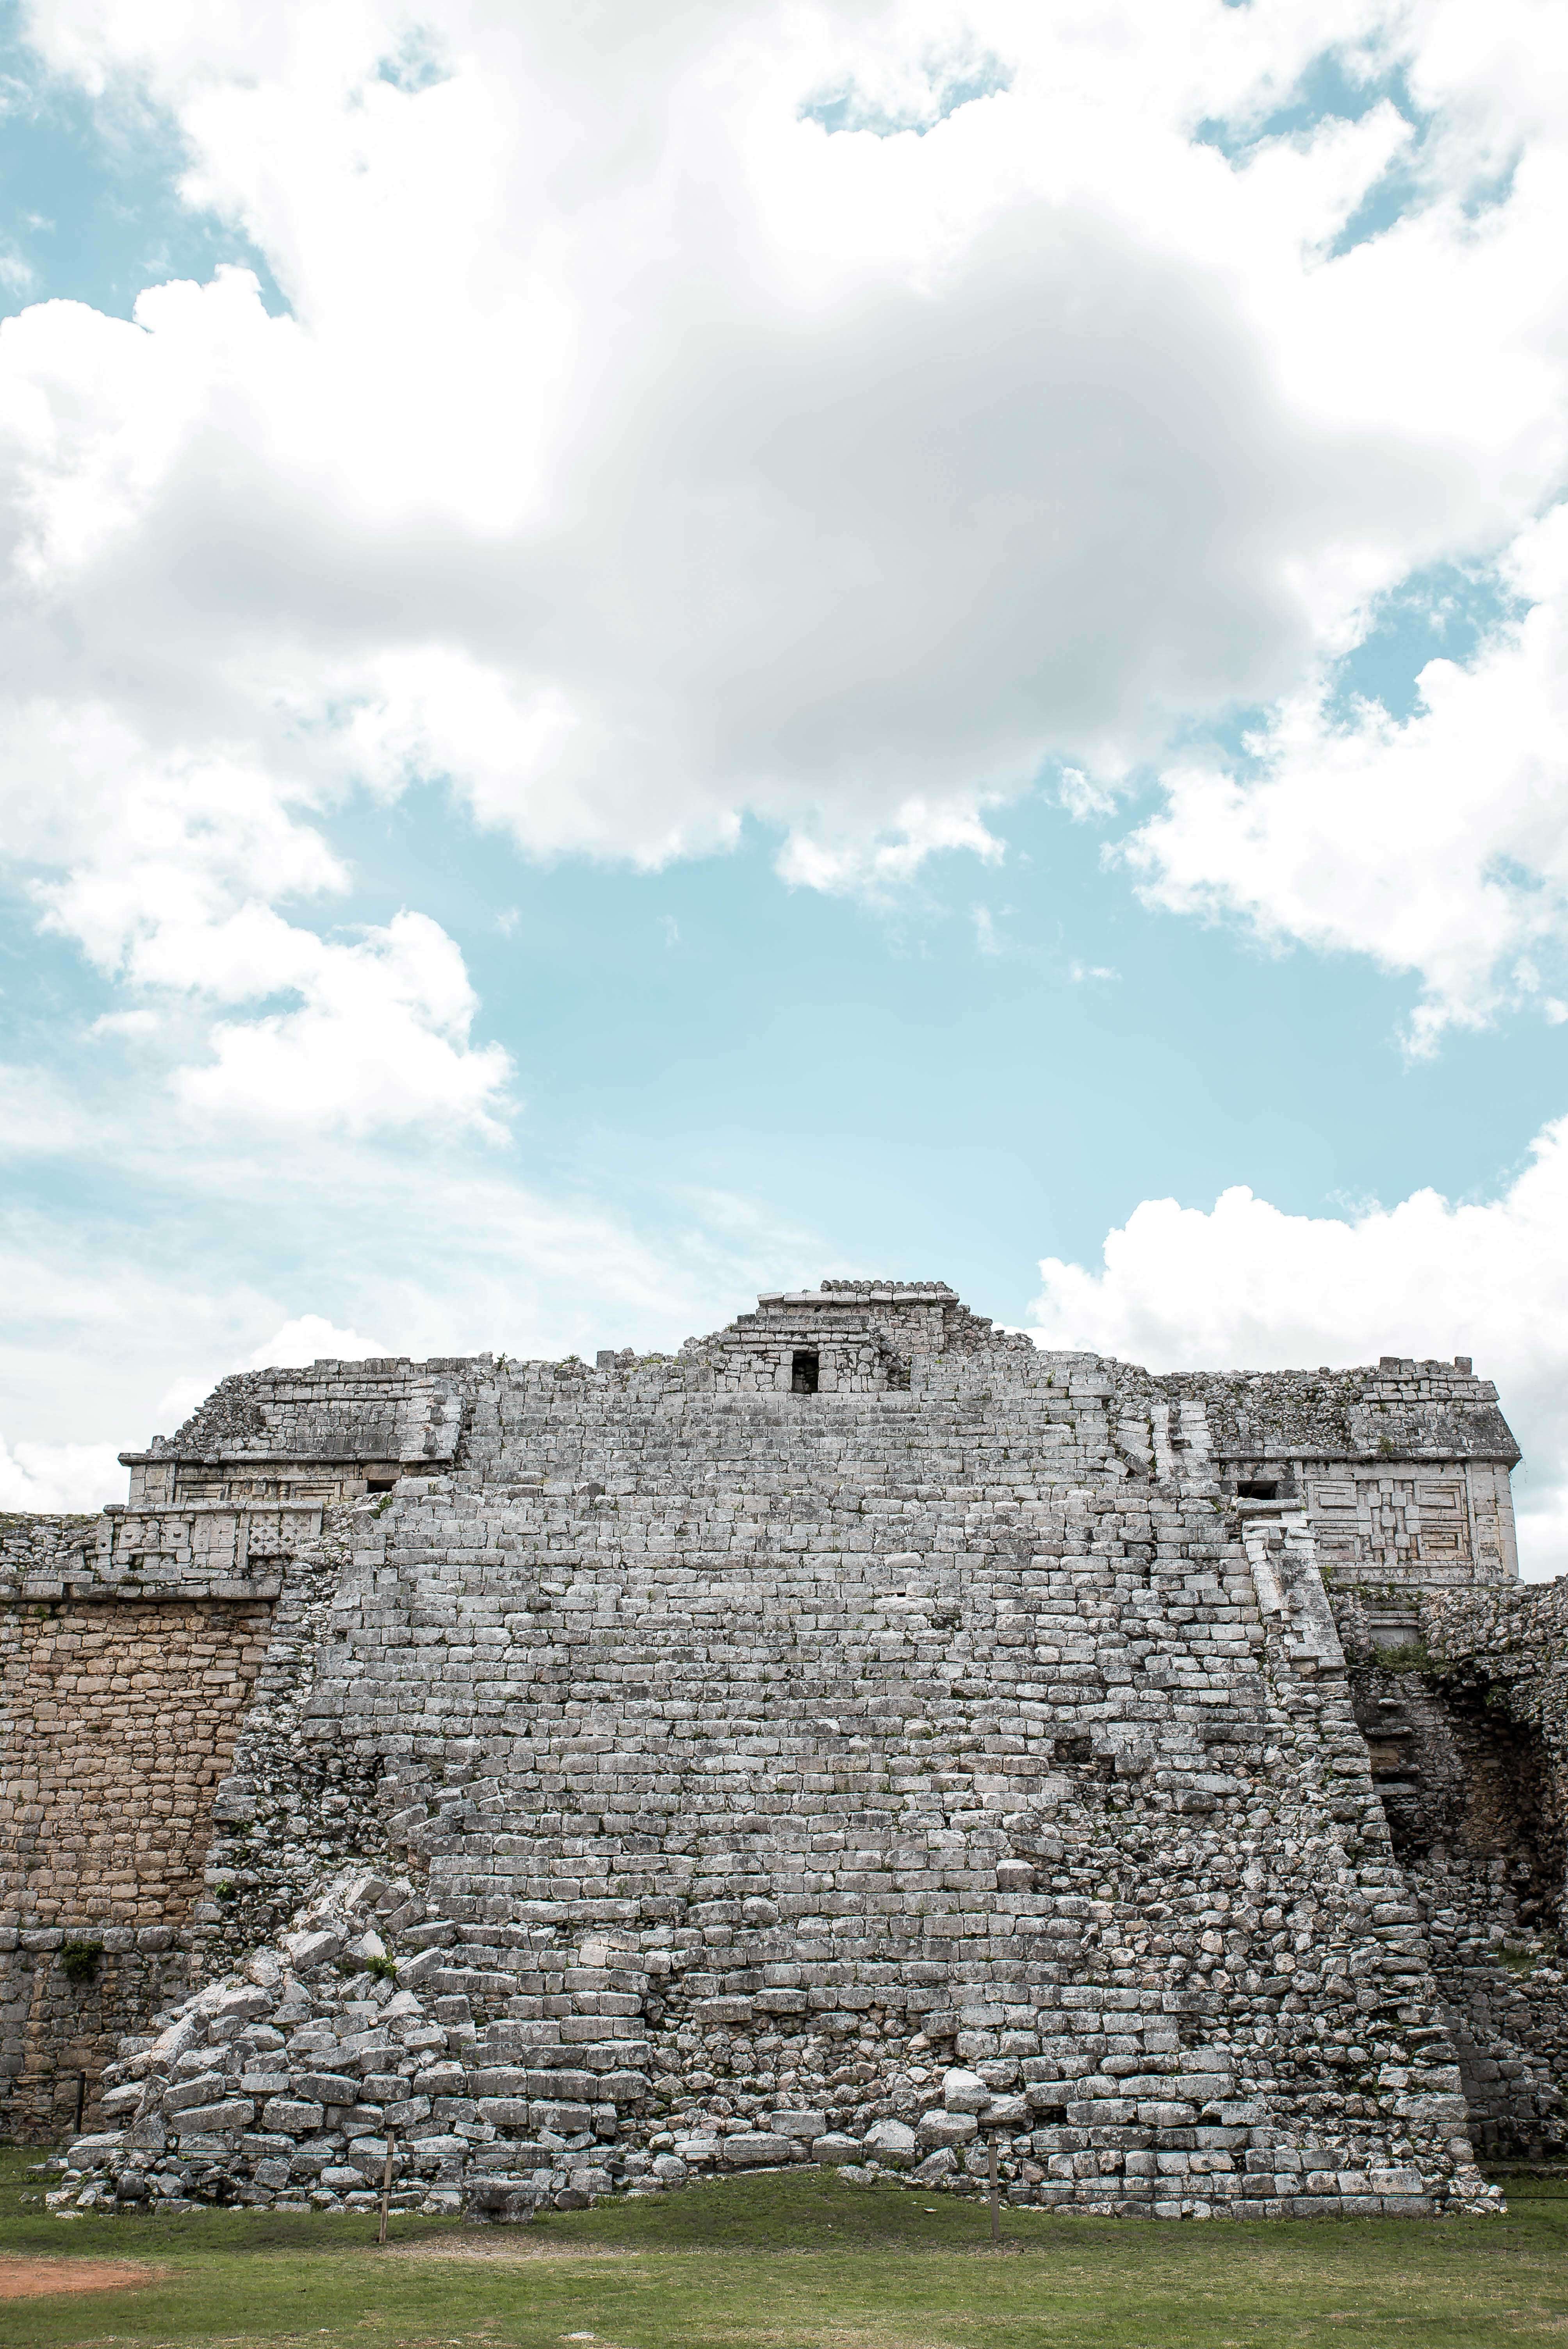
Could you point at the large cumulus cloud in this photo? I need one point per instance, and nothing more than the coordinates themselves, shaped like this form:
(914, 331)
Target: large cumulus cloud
(639, 453)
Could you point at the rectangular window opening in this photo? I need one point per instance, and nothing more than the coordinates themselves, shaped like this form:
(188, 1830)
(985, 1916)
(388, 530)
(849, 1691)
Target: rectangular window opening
(803, 1370)
(1253, 1490)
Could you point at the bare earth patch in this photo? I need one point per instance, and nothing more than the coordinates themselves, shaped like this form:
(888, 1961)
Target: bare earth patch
(21, 2278)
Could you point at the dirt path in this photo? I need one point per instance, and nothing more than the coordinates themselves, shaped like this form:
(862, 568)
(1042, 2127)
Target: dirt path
(26, 2278)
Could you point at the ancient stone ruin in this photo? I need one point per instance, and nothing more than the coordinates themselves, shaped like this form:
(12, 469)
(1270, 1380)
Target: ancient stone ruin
(862, 1737)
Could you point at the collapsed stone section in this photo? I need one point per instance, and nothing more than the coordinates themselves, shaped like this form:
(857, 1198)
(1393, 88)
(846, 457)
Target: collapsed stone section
(306, 1437)
(959, 1751)
(1465, 1710)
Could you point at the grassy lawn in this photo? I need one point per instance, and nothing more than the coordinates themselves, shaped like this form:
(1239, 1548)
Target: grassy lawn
(797, 2262)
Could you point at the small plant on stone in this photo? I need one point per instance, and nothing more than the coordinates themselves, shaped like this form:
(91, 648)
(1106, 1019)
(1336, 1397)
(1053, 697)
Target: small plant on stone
(80, 1960)
(384, 1968)
(1409, 1656)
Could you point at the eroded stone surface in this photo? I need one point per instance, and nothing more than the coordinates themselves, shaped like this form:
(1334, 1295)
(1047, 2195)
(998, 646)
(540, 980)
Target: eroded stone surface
(862, 1737)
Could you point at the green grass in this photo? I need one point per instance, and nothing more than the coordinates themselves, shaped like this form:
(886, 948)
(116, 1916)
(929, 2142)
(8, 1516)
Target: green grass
(802, 2261)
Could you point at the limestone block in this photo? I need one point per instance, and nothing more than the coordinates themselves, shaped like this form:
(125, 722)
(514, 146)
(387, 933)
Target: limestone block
(1201, 2087)
(406, 2113)
(1394, 2181)
(755, 2149)
(570, 2085)
(201, 2089)
(565, 2120)
(799, 2124)
(215, 2120)
(441, 2080)
(308, 1951)
(891, 2142)
(326, 2087)
(421, 1967)
(965, 2091)
(942, 2129)
(242, 2005)
(834, 2149)
(1431, 2112)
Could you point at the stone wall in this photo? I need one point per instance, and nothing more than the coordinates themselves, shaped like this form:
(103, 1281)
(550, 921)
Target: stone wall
(860, 1732)
(1466, 1726)
(310, 1436)
(120, 1725)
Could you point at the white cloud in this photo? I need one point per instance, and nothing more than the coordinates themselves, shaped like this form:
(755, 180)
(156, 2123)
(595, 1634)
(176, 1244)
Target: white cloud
(178, 1399)
(65, 1477)
(40, 1116)
(874, 862)
(639, 455)
(638, 458)
(1082, 796)
(1437, 843)
(164, 869)
(307, 1337)
(381, 1039)
(116, 1329)
(311, 1337)
(1243, 1286)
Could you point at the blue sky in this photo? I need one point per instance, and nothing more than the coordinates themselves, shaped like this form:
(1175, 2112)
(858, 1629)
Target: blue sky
(791, 647)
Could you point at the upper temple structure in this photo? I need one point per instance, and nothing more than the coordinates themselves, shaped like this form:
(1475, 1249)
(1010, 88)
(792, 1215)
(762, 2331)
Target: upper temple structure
(862, 1737)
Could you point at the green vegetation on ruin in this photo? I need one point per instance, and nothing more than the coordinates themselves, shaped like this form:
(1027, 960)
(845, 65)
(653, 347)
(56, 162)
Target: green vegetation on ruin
(792, 2261)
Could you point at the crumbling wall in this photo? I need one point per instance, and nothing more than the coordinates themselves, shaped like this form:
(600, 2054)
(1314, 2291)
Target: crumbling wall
(860, 1736)
(307, 1435)
(1465, 1723)
(119, 1725)
(786, 1769)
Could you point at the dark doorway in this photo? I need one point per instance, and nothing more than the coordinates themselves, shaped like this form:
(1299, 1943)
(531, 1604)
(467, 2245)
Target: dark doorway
(803, 1372)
